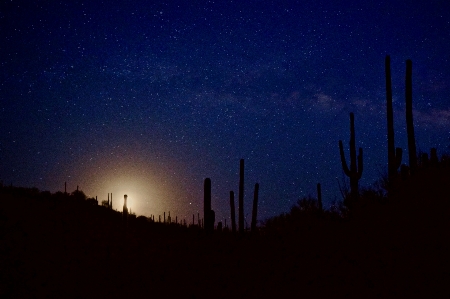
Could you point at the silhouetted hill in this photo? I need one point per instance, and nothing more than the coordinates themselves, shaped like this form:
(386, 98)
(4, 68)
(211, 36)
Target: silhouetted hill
(56, 245)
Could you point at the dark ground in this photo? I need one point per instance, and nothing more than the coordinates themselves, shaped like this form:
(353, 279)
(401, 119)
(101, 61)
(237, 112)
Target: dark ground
(60, 248)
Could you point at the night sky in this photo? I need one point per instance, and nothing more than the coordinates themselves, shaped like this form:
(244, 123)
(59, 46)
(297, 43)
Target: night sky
(148, 98)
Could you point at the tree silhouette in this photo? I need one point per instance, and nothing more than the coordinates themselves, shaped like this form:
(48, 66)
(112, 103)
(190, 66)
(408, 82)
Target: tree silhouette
(78, 195)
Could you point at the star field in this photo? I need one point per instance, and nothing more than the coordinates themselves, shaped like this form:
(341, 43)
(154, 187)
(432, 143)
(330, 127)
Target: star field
(148, 99)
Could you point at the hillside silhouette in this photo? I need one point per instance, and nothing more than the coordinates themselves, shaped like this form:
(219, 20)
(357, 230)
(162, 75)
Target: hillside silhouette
(56, 245)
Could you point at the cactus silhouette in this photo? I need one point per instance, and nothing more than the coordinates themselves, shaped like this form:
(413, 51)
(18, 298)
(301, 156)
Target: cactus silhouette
(255, 208)
(241, 197)
(354, 172)
(319, 198)
(208, 214)
(233, 214)
(206, 198)
(211, 220)
(125, 212)
(409, 118)
(394, 154)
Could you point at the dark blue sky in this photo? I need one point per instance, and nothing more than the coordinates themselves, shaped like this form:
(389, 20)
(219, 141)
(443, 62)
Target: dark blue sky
(150, 99)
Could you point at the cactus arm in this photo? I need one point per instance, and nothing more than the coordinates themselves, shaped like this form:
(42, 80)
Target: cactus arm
(344, 163)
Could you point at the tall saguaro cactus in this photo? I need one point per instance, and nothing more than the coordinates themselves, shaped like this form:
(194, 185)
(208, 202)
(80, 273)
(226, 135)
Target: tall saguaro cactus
(241, 197)
(208, 214)
(355, 171)
(394, 154)
(409, 118)
(233, 214)
(255, 208)
(206, 200)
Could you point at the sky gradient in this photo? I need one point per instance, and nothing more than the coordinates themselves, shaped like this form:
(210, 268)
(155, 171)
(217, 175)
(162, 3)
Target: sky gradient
(148, 98)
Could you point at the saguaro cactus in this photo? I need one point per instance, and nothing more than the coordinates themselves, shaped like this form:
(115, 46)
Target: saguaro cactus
(233, 215)
(241, 197)
(355, 171)
(255, 208)
(394, 154)
(208, 214)
(211, 220)
(319, 198)
(125, 211)
(409, 118)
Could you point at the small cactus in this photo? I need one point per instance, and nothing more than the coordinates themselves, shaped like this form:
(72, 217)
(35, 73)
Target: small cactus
(255, 208)
(125, 212)
(233, 214)
(319, 198)
(241, 197)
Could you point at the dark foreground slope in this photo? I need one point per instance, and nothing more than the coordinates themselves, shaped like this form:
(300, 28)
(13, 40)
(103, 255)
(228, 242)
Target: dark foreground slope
(66, 249)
